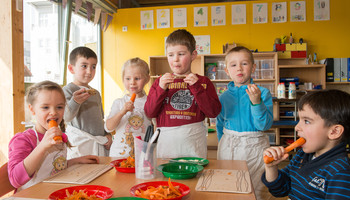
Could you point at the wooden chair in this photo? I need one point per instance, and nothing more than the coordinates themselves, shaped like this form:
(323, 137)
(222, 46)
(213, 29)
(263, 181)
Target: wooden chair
(6, 186)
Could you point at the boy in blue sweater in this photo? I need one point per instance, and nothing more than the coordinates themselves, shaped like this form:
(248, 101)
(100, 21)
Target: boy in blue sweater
(321, 169)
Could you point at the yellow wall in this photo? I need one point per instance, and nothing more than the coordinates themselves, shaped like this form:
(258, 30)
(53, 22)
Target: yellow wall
(326, 38)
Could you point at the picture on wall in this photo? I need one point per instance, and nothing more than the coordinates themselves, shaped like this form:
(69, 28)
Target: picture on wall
(163, 18)
(321, 10)
(202, 44)
(200, 16)
(297, 11)
(259, 13)
(180, 17)
(279, 12)
(147, 20)
(218, 15)
(239, 14)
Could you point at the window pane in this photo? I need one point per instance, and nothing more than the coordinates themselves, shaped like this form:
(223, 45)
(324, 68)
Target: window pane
(41, 56)
(84, 33)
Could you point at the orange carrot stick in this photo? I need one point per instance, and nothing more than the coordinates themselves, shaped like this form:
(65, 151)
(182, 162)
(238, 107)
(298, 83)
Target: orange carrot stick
(133, 97)
(53, 123)
(294, 145)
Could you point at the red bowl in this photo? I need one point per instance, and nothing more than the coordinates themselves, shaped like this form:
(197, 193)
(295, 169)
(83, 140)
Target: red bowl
(184, 189)
(97, 190)
(116, 163)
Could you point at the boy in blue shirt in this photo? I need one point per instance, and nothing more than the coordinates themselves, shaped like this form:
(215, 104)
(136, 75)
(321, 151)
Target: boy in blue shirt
(321, 169)
(246, 112)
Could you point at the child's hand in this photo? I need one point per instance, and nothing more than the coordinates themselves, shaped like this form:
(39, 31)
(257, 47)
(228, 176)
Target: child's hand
(48, 139)
(109, 143)
(90, 159)
(80, 96)
(254, 93)
(165, 80)
(278, 153)
(128, 106)
(191, 79)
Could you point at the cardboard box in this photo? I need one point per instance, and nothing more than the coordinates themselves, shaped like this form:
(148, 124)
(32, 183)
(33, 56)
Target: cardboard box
(227, 47)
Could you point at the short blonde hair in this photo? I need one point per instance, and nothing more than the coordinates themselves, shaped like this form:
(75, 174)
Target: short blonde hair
(240, 49)
(138, 63)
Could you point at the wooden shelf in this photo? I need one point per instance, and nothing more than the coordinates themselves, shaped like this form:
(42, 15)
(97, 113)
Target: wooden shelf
(338, 83)
(301, 66)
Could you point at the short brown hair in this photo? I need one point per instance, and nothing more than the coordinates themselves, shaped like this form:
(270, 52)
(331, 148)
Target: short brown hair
(238, 49)
(81, 51)
(181, 37)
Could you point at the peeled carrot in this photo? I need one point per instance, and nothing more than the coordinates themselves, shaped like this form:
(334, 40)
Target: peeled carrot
(133, 97)
(53, 123)
(294, 145)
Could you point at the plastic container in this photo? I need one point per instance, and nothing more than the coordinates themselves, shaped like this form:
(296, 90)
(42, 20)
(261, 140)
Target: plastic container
(281, 91)
(267, 73)
(221, 65)
(292, 91)
(222, 74)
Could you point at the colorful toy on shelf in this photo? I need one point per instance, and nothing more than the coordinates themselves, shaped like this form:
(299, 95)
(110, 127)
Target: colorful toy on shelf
(283, 39)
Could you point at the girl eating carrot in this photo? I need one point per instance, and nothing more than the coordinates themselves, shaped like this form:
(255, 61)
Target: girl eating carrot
(34, 154)
(127, 114)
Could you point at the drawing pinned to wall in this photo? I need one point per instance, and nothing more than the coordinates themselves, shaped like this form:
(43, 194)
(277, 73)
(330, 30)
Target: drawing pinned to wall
(259, 13)
(279, 12)
(202, 44)
(163, 18)
(239, 14)
(147, 20)
(321, 10)
(180, 17)
(297, 11)
(218, 15)
(200, 16)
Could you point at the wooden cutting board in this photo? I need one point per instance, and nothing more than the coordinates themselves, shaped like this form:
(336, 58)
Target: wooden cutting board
(79, 173)
(222, 180)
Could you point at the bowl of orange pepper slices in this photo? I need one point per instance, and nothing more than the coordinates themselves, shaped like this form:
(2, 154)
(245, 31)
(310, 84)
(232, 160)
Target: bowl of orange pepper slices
(124, 165)
(160, 190)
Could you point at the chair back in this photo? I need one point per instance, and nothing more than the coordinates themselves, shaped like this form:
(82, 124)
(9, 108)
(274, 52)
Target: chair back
(6, 186)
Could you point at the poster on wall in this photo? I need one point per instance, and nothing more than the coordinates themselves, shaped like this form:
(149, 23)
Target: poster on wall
(259, 13)
(297, 11)
(279, 12)
(239, 14)
(218, 15)
(202, 44)
(200, 16)
(180, 17)
(321, 10)
(147, 20)
(163, 18)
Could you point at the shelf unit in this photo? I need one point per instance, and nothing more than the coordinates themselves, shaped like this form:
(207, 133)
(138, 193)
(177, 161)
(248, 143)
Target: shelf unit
(159, 65)
(315, 73)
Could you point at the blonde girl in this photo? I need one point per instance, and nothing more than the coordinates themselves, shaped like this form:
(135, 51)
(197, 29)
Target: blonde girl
(33, 153)
(126, 116)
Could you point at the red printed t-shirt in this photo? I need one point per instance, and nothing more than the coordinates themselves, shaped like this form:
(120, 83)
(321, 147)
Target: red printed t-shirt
(182, 104)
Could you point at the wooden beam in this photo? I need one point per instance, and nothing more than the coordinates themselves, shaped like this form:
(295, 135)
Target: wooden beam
(11, 76)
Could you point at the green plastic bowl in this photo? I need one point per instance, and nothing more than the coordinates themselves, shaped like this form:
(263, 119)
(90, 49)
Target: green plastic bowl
(178, 170)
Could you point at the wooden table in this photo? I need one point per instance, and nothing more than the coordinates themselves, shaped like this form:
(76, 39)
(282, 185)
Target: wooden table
(121, 183)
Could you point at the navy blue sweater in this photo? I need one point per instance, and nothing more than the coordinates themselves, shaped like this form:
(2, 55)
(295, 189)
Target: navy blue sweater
(325, 177)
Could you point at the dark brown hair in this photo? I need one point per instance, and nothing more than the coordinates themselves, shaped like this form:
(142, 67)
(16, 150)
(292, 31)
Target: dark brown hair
(181, 37)
(81, 51)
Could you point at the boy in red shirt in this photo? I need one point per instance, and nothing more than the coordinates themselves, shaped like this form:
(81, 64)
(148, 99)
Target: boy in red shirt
(181, 100)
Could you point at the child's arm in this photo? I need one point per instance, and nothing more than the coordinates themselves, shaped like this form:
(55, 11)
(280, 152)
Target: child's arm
(220, 125)
(205, 95)
(33, 161)
(155, 98)
(261, 109)
(90, 159)
(74, 100)
(113, 122)
(271, 169)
